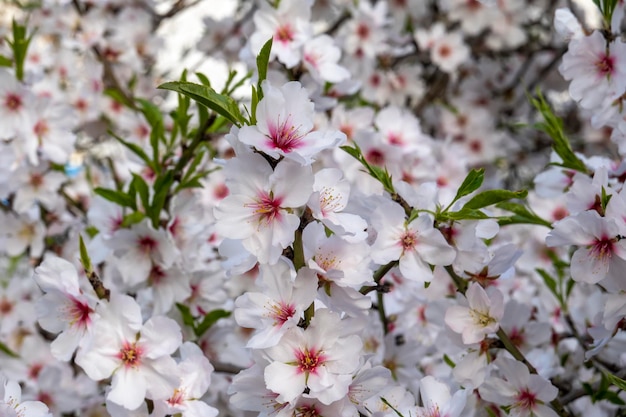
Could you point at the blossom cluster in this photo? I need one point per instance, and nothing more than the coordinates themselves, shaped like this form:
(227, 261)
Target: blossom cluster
(363, 222)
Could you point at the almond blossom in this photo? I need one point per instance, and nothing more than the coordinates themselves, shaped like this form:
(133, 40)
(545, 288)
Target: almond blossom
(315, 363)
(526, 394)
(601, 255)
(259, 209)
(285, 125)
(481, 318)
(415, 244)
(278, 306)
(136, 355)
(596, 68)
(64, 308)
(11, 404)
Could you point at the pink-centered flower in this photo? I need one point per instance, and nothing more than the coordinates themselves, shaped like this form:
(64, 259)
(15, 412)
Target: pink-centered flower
(601, 253)
(416, 244)
(318, 361)
(285, 122)
(136, 355)
(280, 304)
(597, 69)
(64, 308)
(259, 210)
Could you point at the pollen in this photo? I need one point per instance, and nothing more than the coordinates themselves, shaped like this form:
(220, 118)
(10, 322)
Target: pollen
(309, 359)
(130, 355)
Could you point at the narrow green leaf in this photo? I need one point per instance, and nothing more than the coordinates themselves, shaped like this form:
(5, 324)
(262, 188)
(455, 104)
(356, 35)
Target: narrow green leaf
(209, 320)
(203, 79)
(223, 105)
(4, 348)
(85, 260)
(136, 149)
(523, 215)
(491, 197)
(464, 214)
(117, 197)
(551, 283)
(471, 183)
(133, 218)
(388, 404)
(185, 312)
(144, 192)
(262, 61)
(553, 126)
(161, 190)
(617, 381)
(448, 361)
(5, 62)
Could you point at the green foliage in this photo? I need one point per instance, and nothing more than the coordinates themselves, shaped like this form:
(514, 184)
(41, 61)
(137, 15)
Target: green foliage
(85, 260)
(200, 325)
(118, 197)
(553, 126)
(471, 183)
(19, 46)
(380, 174)
(521, 215)
(491, 197)
(5, 349)
(602, 392)
(5, 62)
(223, 105)
(606, 7)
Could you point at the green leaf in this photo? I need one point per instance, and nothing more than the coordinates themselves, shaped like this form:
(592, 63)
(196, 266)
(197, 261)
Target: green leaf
(209, 320)
(464, 214)
(143, 190)
(132, 218)
(203, 79)
(4, 348)
(5, 62)
(136, 149)
(552, 285)
(155, 119)
(85, 260)
(208, 97)
(448, 361)
(262, 61)
(380, 174)
(471, 183)
(553, 126)
(118, 197)
(185, 312)
(162, 187)
(523, 215)
(615, 380)
(384, 400)
(19, 45)
(491, 197)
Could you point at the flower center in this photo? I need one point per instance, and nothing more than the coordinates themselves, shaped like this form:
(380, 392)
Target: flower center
(602, 248)
(79, 312)
(147, 244)
(13, 102)
(526, 400)
(309, 360)
(284, 34)
(282, 312)
(266, 208)
(130, 354)
(285, 136)
(408, 241)
(605, 65)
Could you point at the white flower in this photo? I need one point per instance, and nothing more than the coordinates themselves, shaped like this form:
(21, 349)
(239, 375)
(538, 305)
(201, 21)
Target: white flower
(285, 122)
(481, 317)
